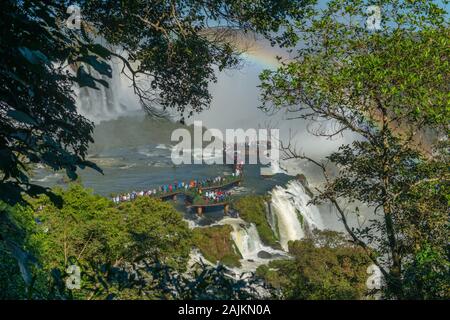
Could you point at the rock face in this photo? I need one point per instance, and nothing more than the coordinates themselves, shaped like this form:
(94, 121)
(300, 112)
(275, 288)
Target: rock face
(264, 255)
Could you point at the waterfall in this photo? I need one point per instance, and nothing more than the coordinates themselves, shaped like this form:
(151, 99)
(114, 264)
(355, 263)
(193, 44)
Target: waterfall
(292, 214)
(271, 219)
(107, 103)
(246, 238)
(275, 167)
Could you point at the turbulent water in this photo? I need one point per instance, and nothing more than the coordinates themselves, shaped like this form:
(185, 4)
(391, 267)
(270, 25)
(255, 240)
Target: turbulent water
(249, 244)
(134, 153)
(293, 216)
(136, 164)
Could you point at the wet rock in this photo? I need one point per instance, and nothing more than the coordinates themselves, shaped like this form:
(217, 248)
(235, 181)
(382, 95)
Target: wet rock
(264, 255)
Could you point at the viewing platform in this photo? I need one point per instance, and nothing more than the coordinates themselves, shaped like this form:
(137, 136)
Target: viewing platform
(199, 194)
(200, 208)
(188, 192)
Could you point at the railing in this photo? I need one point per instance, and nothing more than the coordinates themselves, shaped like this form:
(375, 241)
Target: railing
(193, 191)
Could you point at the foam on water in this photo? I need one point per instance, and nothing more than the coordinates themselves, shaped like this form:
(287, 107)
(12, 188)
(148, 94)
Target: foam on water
(293, 216)
(249, 244)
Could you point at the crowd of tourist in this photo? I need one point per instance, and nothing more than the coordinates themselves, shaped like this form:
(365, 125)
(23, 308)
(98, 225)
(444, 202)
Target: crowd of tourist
(193, 185)
(215, 196)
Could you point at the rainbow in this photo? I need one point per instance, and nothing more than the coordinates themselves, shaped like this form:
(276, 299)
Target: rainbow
(258, 51)
(263, 58)
(252, 47)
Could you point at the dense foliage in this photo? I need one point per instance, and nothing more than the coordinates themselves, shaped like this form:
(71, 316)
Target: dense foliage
(216, 245)
(137, 250)
(390, 87)
(91, 232)
(325, 266)
(170, 51)
(252, 209)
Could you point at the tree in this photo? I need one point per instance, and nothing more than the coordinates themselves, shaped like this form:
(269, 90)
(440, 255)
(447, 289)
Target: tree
(325, 266)
(137, 250)
(390, 87)
(39, 122)
(18, 251)
(170, 50)
(180, 44)
(89, 231)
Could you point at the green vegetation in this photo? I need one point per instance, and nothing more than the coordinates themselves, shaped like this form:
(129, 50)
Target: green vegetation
(216, 245)
(90, 227)
(137, 250)
(252, 209)
(18, 252)
(325, 266)
(390, 89)
(169, 43)
(89, 231)
(299, 217)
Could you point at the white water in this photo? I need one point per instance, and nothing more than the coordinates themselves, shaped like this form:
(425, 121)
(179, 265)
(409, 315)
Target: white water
(48, 177)
(286, 206)
(248, 242)
(273, 169)
(107, 103)
(283, 216)
(163, 146)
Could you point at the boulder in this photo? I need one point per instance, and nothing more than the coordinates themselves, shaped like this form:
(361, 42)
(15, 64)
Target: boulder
(264, 255)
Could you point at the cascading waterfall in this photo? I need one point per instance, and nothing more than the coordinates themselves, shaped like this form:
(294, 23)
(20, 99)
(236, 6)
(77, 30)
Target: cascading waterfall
(294, 217)
(107, 103)
(247, 240)
(271, 219)
(275, 167)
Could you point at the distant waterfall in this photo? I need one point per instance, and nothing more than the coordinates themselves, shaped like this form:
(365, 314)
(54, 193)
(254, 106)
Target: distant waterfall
(292, 214)
(107, 103)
